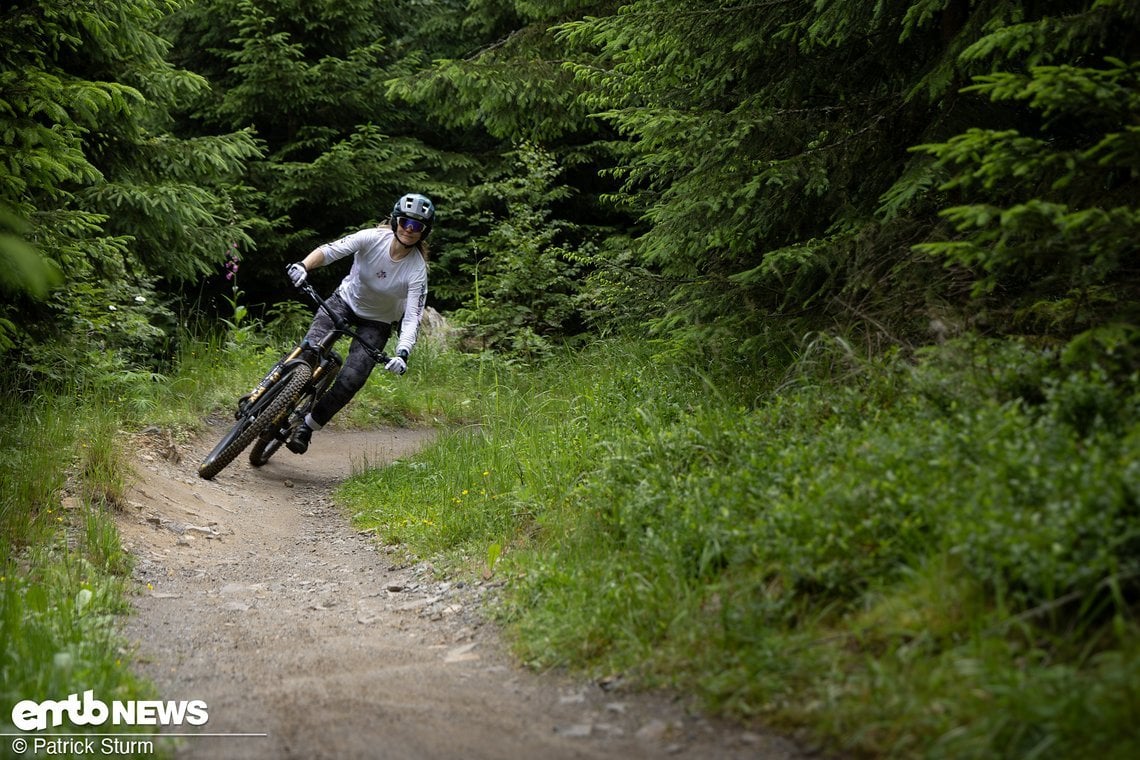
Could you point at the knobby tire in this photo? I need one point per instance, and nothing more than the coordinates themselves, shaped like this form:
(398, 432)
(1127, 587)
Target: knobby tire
(271, 440)
(266, 446)
(278, 400)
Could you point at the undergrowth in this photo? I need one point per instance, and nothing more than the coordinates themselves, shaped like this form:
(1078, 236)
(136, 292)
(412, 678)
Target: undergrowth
(932, 557)
(64, 577)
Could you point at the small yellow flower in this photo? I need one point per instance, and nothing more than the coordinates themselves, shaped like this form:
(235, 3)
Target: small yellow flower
(150, 587)
(486, 473)
(464, 491)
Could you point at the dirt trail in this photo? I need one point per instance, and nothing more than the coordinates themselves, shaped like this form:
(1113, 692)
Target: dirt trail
(257, 597)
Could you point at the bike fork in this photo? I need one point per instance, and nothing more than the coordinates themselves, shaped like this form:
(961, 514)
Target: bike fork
(273, 376)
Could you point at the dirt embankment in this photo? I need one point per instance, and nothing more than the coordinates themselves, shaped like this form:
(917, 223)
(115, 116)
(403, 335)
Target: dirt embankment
(310, 640)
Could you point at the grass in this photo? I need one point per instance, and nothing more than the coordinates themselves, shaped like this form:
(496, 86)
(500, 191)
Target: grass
(931, 559)
(64, 578)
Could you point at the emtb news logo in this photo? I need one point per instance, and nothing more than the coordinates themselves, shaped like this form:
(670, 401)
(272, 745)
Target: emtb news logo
(30, 715)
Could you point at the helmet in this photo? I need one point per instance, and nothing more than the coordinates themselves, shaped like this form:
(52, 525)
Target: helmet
(414, 206)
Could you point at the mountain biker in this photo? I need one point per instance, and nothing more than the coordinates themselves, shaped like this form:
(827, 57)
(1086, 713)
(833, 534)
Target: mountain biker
(387, 282)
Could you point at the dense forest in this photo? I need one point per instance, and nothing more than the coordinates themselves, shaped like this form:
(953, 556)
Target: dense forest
(891, 245)
(900, 171)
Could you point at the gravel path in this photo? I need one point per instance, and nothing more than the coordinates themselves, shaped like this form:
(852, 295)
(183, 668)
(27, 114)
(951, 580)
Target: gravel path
(256, 596)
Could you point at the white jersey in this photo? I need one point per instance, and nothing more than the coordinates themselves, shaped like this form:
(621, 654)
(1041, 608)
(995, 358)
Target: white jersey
(379, 288)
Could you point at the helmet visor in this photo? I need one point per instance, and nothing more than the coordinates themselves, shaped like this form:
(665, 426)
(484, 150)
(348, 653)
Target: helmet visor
(411, 225)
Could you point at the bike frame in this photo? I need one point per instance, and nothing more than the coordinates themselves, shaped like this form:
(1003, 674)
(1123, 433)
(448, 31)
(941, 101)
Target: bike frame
(324, 350)
(275, 407)
(326, 363)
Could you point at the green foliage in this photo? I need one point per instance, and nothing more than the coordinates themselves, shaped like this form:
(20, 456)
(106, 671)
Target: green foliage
(24, 500)
(758, 138)
(58, 632)
(309, 80)
(728, 178)
(22, 269)
(113, 201)
(63, 573)
(765, 148)
(743, 170)
(525, 278)
(495, 78)
(487, 89)
(909, 559)
(1052, 230)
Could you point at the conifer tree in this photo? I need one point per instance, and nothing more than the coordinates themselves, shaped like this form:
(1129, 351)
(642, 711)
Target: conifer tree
(524, 273)
(110, 197)
(310, 80)
(761, 136)
(501, 89)
(768, 146)
(1046, 213)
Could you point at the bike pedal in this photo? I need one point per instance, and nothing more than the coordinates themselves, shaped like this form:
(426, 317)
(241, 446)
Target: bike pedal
(298, 443)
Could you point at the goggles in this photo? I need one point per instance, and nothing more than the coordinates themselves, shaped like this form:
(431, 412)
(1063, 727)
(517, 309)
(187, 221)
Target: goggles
(411, 225)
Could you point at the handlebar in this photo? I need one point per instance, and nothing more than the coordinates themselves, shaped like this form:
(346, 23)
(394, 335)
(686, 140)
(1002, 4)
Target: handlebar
(340, 324)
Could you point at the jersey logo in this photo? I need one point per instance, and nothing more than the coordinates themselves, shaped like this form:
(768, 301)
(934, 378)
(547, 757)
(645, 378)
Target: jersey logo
(382, 274)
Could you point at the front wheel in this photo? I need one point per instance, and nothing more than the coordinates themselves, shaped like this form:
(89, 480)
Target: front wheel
(277, 400)
(271, 440)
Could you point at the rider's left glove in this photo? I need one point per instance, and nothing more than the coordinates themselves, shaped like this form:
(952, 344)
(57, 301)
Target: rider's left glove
(297, 273)
(398, 364)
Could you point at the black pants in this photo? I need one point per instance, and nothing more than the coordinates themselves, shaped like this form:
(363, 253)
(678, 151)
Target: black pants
(358, 365)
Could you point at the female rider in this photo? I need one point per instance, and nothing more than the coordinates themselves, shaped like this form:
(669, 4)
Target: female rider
(387, 282)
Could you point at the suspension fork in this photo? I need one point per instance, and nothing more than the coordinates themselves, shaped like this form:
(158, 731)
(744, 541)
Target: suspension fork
(271, 377)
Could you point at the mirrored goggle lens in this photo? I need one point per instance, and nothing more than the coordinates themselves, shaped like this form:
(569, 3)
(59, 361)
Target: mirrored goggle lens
(411, 225)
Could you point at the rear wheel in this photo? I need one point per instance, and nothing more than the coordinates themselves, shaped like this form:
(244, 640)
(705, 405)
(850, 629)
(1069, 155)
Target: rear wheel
(266, 446)
(277, 400)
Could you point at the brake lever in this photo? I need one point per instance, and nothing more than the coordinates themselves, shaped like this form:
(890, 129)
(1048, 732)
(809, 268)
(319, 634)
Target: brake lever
(307, 288)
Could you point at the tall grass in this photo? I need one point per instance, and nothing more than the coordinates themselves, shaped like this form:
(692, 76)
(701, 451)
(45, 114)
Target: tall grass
(30, 477)
(63, 574)
(931, 559)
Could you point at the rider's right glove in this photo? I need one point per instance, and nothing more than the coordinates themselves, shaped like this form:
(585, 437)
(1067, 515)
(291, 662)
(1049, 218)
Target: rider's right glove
(297, 273)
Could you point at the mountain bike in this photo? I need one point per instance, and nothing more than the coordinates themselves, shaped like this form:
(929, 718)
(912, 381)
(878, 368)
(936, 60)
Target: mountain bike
(269, 414)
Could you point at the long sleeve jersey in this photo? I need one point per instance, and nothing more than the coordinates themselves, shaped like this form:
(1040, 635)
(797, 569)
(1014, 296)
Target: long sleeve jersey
(379, 288)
